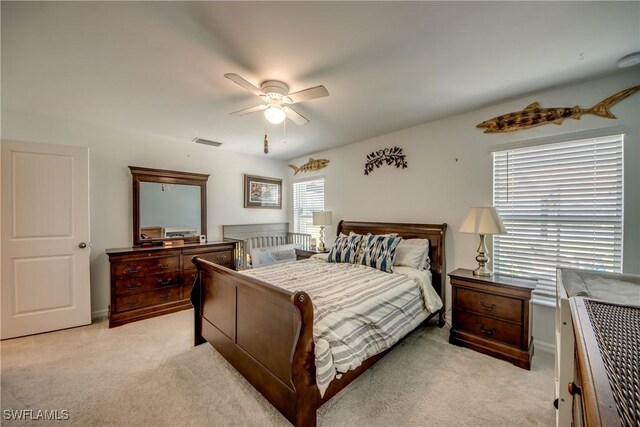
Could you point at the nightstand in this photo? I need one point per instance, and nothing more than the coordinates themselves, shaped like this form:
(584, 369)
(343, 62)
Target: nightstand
(307, 253)
(492, 315)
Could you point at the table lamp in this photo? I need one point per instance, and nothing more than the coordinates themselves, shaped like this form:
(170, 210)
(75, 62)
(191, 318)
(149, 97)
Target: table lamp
(321, 218)
(482, 221)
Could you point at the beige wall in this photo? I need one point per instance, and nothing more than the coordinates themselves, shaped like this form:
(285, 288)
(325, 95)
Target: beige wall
(111, 151)
(450, 169)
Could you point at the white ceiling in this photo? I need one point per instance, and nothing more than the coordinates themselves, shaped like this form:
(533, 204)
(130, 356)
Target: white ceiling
(157, 67)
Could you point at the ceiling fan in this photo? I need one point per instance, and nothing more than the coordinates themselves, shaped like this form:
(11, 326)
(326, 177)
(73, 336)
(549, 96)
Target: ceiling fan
(277, 99)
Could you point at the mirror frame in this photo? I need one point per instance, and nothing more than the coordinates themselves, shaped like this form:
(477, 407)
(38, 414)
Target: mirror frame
(139, 174)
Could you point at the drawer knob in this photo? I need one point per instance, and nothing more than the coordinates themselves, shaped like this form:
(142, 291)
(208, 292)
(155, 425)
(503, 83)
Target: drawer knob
(164, 282)
(134, 287)
(574, 389)
(163, 266)
(133, 304)
(130, 270)
(487, 332)
(487, 307)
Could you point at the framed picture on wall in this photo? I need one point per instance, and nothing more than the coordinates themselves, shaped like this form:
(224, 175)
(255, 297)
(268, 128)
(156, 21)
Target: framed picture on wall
(262, 192)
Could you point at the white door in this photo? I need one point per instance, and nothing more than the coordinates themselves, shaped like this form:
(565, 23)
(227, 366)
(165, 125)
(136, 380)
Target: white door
(45, 238)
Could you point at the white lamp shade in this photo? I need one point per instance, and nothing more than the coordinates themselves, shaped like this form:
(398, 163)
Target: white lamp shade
(483, 220)
(275, 114)
(322, 218)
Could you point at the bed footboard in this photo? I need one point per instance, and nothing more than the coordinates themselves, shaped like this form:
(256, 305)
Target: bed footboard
(265, 332)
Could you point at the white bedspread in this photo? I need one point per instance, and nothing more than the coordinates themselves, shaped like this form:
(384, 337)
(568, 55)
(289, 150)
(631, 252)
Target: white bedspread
(358, 311)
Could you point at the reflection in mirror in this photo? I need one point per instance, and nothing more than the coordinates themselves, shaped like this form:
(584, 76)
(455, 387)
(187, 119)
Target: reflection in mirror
(169, 210)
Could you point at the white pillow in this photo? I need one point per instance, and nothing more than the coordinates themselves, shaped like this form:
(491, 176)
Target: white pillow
(413, 253)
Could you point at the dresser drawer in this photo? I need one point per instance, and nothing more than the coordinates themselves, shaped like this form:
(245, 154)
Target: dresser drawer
(223, 258)
(189, 276)
(493, 305)
(142, 267)
(147, 299)
(487, 327)
(186, 291)
(146, 283)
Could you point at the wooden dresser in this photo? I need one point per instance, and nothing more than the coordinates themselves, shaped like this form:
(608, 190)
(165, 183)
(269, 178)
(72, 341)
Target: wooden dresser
(492, 315)
(152, 281)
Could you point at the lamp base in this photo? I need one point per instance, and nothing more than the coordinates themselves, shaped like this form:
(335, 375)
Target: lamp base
(482, 272)
(321, 246)
(483, 259)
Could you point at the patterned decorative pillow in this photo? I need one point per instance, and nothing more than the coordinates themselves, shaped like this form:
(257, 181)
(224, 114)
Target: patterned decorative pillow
(363, 244)
(345, 249)
(380, 252)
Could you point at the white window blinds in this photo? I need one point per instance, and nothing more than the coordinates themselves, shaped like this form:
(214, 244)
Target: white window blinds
(562, 207)
(308, 197)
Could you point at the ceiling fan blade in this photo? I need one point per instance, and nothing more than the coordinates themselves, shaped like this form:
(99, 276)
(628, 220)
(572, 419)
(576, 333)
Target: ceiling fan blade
(249, 110)
(296, 117)
(244, 83)
(308, 94)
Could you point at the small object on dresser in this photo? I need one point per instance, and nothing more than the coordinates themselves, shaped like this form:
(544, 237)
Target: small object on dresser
(203, 239)
(172, 243)
(492, 315)
(313, 242)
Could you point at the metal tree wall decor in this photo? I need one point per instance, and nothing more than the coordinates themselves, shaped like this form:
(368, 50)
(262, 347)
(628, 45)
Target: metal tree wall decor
(388, 156)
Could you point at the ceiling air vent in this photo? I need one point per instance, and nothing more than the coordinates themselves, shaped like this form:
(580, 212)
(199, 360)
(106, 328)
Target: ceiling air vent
(207, 142)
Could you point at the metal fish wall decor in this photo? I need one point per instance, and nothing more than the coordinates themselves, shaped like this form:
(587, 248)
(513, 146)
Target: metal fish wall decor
(311, 165)
(535, 115)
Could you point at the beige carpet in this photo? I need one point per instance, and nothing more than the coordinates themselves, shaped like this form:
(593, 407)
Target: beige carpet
(148, 373)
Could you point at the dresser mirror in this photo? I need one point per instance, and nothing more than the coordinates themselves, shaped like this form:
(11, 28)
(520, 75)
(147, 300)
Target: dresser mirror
(168, 205)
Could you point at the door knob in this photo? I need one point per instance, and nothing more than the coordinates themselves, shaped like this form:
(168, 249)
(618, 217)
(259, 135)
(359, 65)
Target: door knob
(82, 245)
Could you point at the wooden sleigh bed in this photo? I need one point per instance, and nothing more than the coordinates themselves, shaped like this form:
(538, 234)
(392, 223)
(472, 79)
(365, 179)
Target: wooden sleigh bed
(266, 332)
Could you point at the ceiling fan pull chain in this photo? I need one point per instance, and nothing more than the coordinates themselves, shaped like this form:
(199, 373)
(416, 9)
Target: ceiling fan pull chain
(266, 141)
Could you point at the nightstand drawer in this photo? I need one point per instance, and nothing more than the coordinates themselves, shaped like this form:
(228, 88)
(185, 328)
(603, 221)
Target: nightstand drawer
(308, 253)
(492, 305)
(487, 327)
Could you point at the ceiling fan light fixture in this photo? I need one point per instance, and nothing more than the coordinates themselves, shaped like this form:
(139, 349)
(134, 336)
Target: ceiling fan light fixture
(629, 60)
(275, 114)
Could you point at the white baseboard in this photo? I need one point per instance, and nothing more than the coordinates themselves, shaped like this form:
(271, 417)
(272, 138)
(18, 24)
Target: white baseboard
(544, 346)
(99, 315)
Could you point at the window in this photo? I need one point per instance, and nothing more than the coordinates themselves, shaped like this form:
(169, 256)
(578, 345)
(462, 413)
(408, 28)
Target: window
(308, 197)
(562, 207)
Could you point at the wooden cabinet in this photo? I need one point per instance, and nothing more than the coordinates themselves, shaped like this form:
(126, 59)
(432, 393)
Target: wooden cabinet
(307, 253)
(492, 315)
(148, 282)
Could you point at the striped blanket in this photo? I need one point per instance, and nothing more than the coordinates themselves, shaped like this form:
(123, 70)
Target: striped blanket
(359, 311)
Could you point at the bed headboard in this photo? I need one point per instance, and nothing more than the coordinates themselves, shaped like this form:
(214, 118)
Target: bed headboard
(434, 232)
